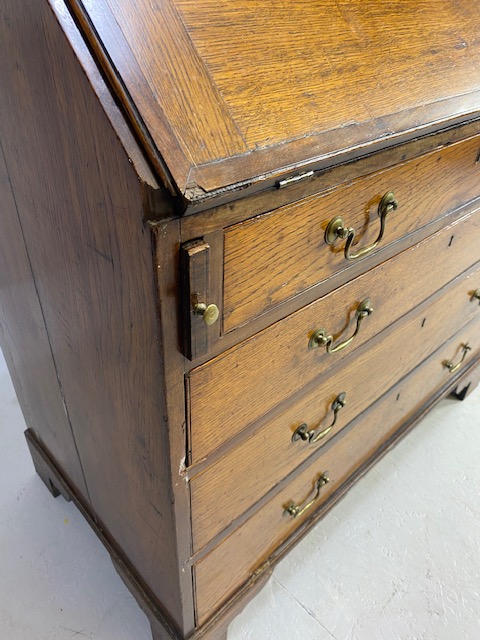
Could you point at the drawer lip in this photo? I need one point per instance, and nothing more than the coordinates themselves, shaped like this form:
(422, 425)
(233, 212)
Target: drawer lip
(276, 256)
(446, 313)
(210, 381)
(398, 430)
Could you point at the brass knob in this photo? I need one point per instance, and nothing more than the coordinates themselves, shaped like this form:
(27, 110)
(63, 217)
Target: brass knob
(208, 312)
(475, 295)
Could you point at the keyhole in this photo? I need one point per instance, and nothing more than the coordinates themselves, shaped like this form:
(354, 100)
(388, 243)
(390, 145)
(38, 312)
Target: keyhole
(451, 240)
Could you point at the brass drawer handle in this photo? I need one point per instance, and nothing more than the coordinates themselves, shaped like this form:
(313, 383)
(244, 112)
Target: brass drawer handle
(302, 432)
(322, 339)
(295, 510)
(336, 229)
(208, 312)
(475, 296)
(448, 364)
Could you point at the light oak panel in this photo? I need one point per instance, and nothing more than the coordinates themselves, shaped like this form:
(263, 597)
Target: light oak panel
(290, 71)
(246, 89)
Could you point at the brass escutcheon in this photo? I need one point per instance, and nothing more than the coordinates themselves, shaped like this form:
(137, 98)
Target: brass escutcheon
(336, 229)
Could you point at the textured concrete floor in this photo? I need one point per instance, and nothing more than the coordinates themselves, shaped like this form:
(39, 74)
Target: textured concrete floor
(397, 559)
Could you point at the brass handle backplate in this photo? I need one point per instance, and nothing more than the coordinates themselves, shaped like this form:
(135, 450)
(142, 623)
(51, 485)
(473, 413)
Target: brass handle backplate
(336, 229)
(313, 435)
(321, 338)
(448, 364)
(296, 510)
(209, 312)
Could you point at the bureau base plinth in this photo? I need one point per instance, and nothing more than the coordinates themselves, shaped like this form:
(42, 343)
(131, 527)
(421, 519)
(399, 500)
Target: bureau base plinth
(216, 628)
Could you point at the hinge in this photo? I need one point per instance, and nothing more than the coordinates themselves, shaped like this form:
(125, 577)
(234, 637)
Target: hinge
(294, 179)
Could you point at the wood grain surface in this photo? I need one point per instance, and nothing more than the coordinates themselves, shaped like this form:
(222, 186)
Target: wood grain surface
(246, 550)
(26, 344)
(265, 87)
(80, 206)
(281, 254)
(224, 491)
(267, 368)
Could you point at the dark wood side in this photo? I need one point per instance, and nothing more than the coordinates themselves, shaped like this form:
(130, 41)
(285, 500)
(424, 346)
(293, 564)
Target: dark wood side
(26, 344)
(80, 206)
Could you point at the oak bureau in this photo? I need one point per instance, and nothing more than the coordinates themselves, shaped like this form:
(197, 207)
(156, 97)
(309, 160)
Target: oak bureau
(239, 259)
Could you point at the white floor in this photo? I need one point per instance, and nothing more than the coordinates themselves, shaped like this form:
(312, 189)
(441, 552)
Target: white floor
(397, 559)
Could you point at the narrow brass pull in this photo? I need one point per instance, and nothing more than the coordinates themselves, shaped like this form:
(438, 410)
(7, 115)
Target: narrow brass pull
(336, 229)
(302, 432)
(448, 364)
(295, 510)
(321, 338)
(475, 296)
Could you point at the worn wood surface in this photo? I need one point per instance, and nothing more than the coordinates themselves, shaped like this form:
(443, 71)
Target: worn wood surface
(80, 205)
(221, 209)
(224, 491)
(276, 256)
(245, 550)
(207, 85)
(276, 362)
(26, 343)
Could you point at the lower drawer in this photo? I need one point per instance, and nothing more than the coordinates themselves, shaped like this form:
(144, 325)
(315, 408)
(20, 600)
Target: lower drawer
(219, 573)
(224, 491)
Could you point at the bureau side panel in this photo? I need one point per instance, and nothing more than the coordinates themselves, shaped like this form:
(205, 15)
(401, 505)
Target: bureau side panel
(26, 345)
(79, 203)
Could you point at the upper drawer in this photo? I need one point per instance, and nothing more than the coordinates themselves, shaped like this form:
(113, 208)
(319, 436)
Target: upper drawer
(244, 383)
(277, 255)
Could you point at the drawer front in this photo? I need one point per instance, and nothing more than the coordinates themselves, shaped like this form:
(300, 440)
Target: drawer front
(224, 491)
(276, 256)
(259, 373)
(251, 544)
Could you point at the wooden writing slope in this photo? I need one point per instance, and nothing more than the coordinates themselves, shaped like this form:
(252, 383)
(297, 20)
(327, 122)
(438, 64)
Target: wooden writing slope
(239, 260)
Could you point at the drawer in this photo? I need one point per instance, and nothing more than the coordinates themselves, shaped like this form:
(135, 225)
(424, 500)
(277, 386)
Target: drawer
(344, 457)
(260, 372)
(275, 256)
(224, 491)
